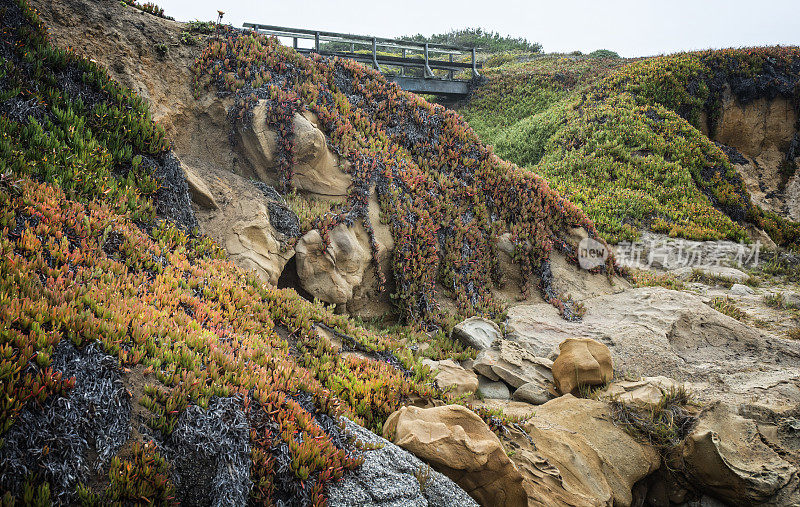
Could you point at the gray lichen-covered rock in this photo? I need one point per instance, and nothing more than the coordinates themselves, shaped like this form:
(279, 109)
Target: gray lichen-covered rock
(210, 454)
(391, 476)
(477, 332)
(96, 412)
(493, 389)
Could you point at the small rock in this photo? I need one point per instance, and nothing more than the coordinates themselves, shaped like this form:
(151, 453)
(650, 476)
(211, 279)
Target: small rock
(741, 290)
(494, 389)
(477, 332)
(452, 374)
(533, 393)
(512, 363)
(648, 391)
(198, 189)
(582, 362)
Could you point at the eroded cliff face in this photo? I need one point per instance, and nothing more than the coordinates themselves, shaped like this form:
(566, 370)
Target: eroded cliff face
(763, 135)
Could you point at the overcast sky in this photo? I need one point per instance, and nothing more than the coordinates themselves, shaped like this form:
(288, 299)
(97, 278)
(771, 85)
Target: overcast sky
(630, 27)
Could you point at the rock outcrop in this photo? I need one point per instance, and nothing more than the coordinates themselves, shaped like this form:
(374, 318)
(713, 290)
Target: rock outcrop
(391, 476)
(580, 456)
(646, 391)
(654, 331)
(761, 132)
(332, 272)
(253, 228)
(582, 362)
(456, 442)
(726, 456)
(317, 171)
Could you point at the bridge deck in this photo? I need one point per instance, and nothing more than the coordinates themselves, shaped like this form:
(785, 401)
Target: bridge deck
(417, 67)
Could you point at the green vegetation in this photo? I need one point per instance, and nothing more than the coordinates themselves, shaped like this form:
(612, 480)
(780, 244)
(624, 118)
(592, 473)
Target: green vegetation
(84, 258)
(487, 41)
(641, 278)
(604, 53)
(726, 306)
(148, 7)
(622, 141)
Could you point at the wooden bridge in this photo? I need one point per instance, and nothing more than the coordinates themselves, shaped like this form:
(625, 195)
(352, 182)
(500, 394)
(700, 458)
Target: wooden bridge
(436, 69)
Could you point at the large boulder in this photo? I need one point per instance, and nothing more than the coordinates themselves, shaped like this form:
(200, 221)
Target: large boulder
(317, 170)
(456, 442)
(725, 456)
(512, 363)
(453, 376)
(477, 332)
(582, 362)
(573, 454)
(391, 476)
(255, 227)
(331, 273)
(653, 331)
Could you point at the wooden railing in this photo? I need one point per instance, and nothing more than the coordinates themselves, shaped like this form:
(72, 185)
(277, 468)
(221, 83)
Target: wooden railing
(385, 54)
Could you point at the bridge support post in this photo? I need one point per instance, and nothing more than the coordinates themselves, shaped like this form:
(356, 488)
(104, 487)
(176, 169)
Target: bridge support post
(375, 54)
(403, 68)
(475, 74)
(428, 71)
(316, 42)
(450, 72)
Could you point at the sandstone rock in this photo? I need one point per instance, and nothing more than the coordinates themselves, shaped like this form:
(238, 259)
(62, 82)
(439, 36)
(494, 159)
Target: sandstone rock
(494, 389)
(580, 456)
(477, 332)
(725, 456)
(518, 410)
(648, 390)
(456, 442)
(368, 302)
(242, 223)
(318, 170)
(198, 189)
(653, 331)
(741, 290)
(582, 362)
(331, 273)
(734, 274)
(391, 476)
(513, 364)
(452, 374)
(533, 393)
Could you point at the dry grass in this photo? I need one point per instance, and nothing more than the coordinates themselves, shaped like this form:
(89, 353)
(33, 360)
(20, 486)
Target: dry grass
(662, 425)
(726, 306)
